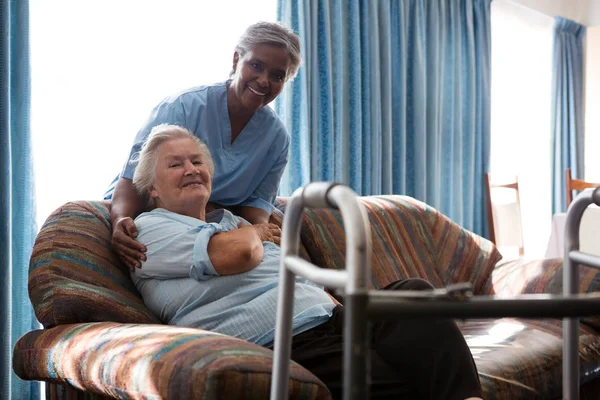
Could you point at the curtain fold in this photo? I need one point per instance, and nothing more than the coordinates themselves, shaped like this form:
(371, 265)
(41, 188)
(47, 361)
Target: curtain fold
(17, 205)
(393, 98)
(567, 107)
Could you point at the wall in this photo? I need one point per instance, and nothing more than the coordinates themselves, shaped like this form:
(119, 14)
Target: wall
(593, 17)
(577, 10)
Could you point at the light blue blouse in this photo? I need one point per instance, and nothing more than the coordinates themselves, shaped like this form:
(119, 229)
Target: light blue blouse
(247, 171)
(180, 285)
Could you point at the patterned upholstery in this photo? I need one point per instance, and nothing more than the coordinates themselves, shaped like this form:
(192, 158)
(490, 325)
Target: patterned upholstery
(155, 361)
(522, 359)
(75, 277)
(517, 277)
(101, 342)
(409, 239)
(277, 219)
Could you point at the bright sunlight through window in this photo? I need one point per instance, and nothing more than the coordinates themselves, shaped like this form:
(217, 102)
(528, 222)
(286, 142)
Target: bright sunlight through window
(99, 67)
(521, 96)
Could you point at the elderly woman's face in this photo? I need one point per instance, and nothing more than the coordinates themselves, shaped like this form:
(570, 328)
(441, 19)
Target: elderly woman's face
(183, 181)
(260, 75)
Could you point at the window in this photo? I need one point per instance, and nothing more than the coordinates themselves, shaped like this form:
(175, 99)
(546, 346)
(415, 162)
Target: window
(98, 68)
(521, 106)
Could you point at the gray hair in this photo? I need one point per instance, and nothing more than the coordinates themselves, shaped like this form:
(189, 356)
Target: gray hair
(144, 176)
(272, 33)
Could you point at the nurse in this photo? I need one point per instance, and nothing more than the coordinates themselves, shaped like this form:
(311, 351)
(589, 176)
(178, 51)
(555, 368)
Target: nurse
(248, 142)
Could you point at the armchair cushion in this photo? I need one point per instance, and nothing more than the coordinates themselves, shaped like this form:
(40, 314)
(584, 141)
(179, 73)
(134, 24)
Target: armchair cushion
(155, 361)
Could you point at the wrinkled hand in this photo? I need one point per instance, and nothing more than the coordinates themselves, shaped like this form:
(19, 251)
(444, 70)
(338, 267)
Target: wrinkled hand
(124, 244)
(266, 232)
(269, 233)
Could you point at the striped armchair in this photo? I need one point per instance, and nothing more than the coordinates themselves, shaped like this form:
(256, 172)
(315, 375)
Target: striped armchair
(100, 341)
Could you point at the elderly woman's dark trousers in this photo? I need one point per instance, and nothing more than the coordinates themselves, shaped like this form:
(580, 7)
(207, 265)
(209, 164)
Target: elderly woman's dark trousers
(410, 359)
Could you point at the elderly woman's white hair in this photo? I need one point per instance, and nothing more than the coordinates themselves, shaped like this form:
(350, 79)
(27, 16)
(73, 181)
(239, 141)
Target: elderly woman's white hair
(145, 171)
(272, 33)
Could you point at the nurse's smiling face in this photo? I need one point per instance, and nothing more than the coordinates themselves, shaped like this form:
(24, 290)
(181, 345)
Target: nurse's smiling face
(259, 76)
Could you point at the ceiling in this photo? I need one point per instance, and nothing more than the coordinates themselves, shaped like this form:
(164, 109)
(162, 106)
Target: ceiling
(586, 12)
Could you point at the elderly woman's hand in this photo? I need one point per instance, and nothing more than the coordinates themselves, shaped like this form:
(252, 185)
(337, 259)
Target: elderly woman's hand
(124, 244)
(266, 232)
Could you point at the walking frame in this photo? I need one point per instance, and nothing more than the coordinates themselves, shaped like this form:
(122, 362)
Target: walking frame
(455, 301)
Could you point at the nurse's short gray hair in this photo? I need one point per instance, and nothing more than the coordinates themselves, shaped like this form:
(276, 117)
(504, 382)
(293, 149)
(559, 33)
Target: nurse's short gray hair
(145, 171)
(276, 34)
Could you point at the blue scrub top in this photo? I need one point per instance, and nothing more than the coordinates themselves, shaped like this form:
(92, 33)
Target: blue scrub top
(247, 171)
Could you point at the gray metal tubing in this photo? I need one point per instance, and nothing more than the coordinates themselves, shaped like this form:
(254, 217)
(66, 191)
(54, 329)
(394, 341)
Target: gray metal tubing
(590, 260)
(358, 249)
(316, 195)
(358, 238)
(571, 287)
(325, 277)
(401, 304)
(358, 263)
(290, 238)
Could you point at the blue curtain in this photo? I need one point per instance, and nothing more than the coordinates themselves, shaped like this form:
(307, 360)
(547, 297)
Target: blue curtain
(17, 206)
(393, 98)
(567, 107)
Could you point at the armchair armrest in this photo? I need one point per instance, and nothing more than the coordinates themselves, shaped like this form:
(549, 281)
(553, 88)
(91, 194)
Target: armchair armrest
(516, 277)
(520, 276)
(153, 361)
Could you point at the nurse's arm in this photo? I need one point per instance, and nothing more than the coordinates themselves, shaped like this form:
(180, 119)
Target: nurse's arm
(253, 215)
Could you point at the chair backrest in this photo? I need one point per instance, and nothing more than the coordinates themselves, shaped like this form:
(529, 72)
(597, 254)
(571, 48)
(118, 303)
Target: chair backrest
(409, 238)
(74, 276)
(504, 214)
(576, 184)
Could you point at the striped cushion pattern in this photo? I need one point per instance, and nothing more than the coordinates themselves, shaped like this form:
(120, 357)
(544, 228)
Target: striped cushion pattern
(522, 359)
(73, 274)
(54, 391)
(516, 277)
(409, 239)
(141, 361)
(277, 219)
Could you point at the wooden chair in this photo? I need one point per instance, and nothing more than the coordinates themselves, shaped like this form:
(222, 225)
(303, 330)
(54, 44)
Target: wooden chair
(504, 214)
(576, 184)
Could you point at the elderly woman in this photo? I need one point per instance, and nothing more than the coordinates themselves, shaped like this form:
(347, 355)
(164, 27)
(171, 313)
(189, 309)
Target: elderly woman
(248, 141)
(216, 272)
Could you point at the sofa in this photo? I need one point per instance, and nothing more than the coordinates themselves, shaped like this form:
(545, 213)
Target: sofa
(100, 341)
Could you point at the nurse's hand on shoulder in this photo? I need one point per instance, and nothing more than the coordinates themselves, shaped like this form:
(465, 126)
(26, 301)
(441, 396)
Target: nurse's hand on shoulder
(130, 251)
